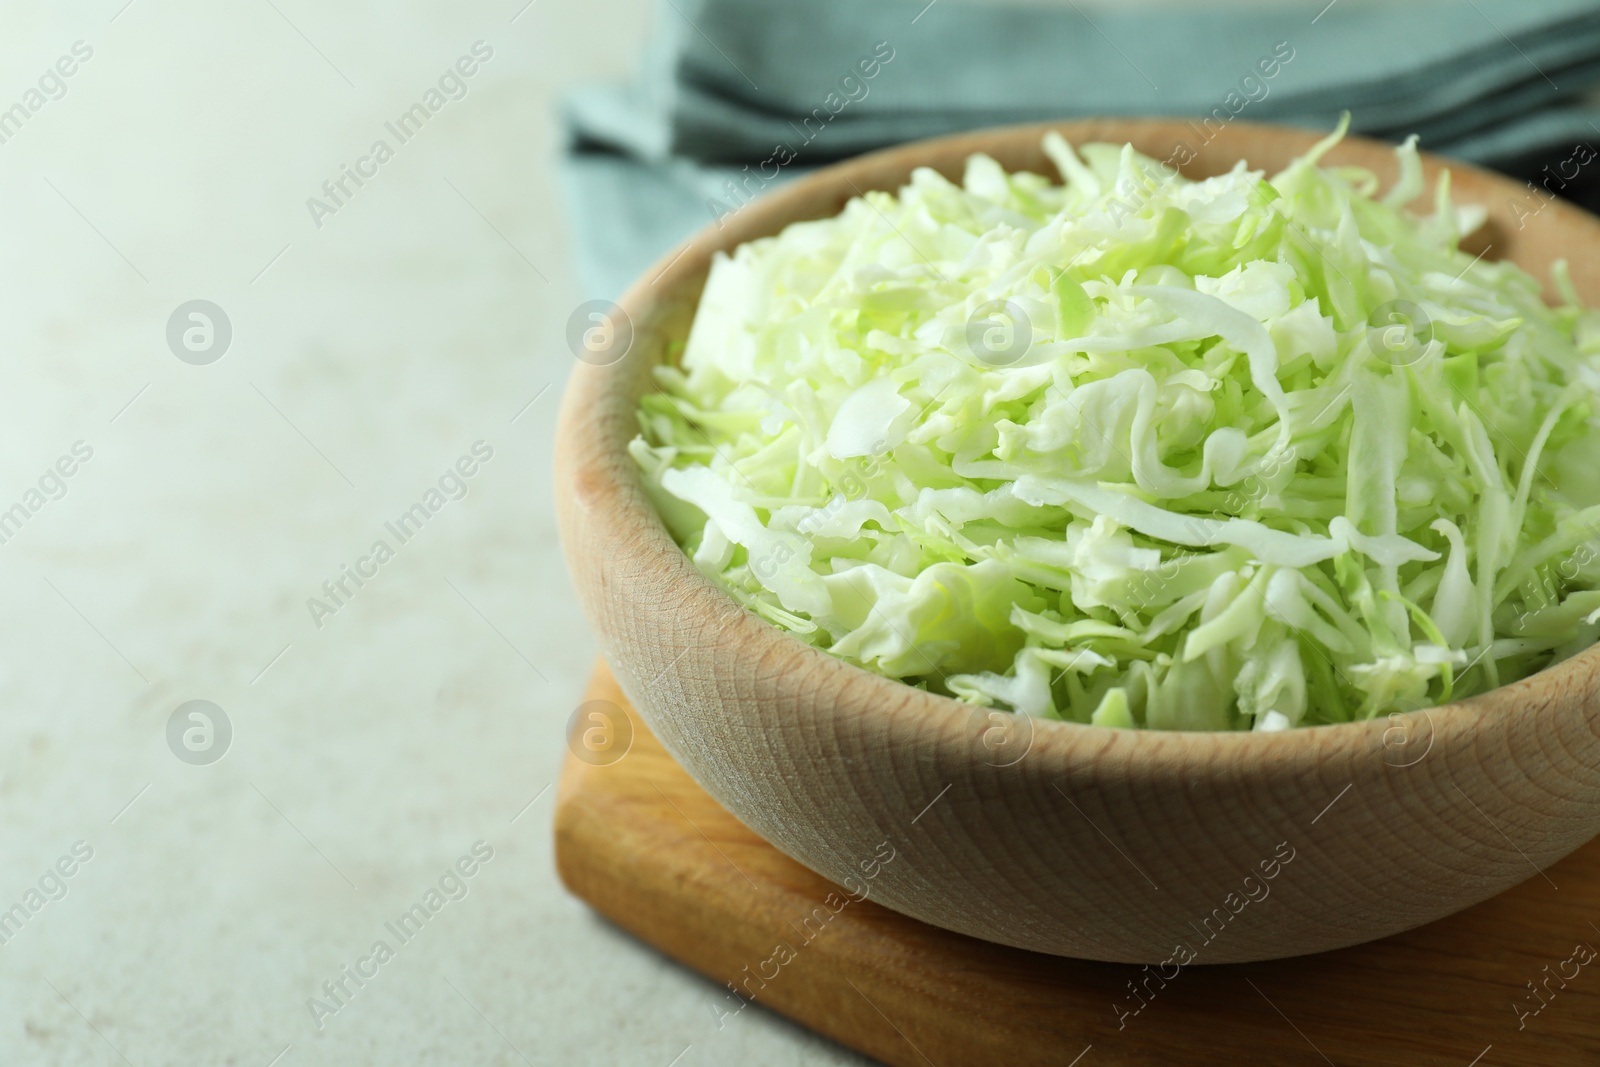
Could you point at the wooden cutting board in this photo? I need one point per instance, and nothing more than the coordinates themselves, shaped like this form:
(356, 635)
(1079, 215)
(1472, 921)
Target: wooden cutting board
(646, 847)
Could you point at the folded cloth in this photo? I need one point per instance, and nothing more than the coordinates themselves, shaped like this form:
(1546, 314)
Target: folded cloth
(736, 95)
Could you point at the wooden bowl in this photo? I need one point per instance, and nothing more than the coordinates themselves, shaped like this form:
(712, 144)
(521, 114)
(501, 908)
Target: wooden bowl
(1122, 845)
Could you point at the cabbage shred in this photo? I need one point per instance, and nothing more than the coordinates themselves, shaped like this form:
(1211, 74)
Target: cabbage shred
(1136, 450)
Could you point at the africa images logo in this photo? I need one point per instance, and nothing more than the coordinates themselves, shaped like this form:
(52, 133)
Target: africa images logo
(452, 85)
(52, 85)
(452, 485)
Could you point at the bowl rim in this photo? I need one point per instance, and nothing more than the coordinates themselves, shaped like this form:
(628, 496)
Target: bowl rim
(593, 463)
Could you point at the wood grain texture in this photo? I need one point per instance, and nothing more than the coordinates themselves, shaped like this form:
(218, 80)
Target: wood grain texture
(1075, 840)
(653, 852)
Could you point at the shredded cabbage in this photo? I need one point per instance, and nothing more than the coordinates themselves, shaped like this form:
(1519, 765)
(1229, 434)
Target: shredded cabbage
(1141, 451)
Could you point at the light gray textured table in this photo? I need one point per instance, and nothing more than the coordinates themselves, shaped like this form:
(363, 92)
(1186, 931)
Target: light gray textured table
(376, 737)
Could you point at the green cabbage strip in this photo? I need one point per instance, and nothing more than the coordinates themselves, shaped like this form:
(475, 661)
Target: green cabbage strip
(1242, 453)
